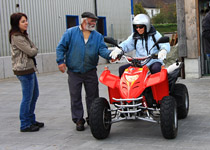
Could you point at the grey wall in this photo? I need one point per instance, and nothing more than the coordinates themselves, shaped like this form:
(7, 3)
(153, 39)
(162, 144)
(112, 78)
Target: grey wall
(47, 19)
(47, 23)
(118, 13)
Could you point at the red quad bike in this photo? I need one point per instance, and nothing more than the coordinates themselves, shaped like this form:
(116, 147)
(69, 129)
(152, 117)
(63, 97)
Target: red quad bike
(140, 95)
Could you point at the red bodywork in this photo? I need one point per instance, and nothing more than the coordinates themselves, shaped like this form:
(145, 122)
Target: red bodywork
(134, 81)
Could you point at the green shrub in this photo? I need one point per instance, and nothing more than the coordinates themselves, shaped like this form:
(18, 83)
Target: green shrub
(167, 14)
(165, 28)
(139, 9)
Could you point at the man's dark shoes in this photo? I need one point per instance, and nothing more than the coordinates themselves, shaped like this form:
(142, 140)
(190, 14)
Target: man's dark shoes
(80, 125)
(87, 120)
(32, 128)
(39, 124)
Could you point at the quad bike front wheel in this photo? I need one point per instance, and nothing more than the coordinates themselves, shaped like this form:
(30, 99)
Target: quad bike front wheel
(180, 93)
(168, 117)
(100, 118)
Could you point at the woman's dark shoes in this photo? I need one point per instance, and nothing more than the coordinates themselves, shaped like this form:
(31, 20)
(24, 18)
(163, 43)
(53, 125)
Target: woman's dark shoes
(32, 128)
(39, 124)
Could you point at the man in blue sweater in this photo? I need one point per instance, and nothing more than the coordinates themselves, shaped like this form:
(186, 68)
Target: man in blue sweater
(79, 50)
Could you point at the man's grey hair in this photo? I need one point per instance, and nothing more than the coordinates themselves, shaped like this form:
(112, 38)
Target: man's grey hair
(83, 19)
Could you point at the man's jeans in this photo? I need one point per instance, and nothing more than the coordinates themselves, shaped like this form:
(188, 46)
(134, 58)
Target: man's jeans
(30, 93)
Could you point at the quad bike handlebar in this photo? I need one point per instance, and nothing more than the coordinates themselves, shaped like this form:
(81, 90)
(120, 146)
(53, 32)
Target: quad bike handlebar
(110, 40)
(137, 62)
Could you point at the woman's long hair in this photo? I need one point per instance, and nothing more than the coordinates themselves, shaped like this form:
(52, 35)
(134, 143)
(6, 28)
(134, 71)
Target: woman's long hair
(14, 22)
(142, 37)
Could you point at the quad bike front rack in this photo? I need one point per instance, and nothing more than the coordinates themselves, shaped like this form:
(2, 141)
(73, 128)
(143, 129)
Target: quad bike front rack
(134, 110)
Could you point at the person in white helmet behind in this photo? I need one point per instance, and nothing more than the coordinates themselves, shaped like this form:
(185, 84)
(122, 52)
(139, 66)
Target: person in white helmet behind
(141, 40)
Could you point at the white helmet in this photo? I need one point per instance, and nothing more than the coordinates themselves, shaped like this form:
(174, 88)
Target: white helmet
(142, 19)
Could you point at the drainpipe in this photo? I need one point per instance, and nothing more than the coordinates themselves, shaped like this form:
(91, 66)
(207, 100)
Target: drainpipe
(132, 7)
(131, 19)
(96, 12)
(132, 16)
(95, 3)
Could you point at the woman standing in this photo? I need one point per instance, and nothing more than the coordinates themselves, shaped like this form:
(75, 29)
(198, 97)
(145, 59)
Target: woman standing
(24, 67)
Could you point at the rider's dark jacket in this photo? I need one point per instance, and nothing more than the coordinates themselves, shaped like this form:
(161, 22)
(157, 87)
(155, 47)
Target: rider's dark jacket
(206, 33)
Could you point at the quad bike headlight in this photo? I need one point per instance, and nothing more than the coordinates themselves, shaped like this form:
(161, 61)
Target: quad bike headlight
(131, 78)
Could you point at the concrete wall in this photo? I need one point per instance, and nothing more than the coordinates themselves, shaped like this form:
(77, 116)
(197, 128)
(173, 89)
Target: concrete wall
(6, 67)
(192, 68)
(45, 63)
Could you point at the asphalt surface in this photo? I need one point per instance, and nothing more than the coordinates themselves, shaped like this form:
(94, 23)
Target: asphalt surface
(53, 108)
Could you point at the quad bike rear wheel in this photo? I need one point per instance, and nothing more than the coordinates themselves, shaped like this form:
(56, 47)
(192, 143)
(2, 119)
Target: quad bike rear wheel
(100, 118)
(180, 93)
(168, 117)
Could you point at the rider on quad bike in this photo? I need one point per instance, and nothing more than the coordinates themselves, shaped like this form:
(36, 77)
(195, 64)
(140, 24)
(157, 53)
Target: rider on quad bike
(139, 93)
(142, 40)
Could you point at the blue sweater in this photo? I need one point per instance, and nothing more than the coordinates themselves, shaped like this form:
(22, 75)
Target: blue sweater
(78, 56)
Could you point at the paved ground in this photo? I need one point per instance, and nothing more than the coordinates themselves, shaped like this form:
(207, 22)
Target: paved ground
(59, 132)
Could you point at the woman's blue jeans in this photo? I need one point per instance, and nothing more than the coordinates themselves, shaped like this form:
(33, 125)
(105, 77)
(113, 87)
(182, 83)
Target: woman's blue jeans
(30, 93)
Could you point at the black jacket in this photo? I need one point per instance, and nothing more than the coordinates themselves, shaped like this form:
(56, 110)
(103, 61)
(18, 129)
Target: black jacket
(206, 33)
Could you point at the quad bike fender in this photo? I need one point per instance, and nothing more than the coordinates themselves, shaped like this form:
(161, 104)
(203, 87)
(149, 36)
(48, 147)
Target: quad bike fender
(112, 82)
(113, 93)
(109, 79)
(157, 78)
(159, 84)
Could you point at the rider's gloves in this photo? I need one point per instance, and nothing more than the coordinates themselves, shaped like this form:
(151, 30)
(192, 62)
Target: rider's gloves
(115, 53)
(162, 54)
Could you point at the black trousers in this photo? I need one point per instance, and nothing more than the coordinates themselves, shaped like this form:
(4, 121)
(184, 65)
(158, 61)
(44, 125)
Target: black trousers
(154, 68)
(75, 81)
